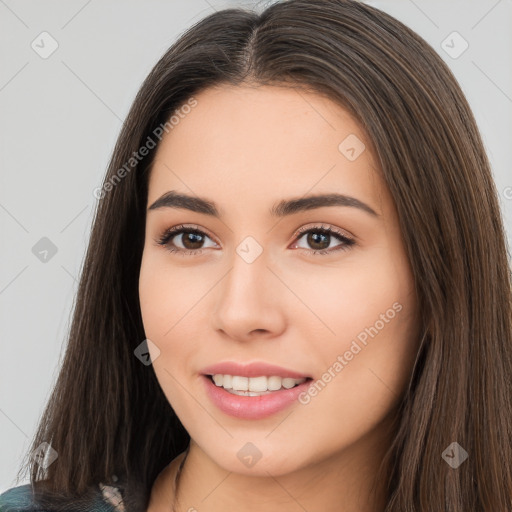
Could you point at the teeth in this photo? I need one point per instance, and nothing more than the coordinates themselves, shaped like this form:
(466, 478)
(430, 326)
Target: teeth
(236, 383)
(218, 379)
(226, 381)
(289, 383)
(274, 383)
(240, 383)
(257, 384)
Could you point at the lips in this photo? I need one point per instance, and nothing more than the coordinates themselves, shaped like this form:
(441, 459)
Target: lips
(248, 405)
(255, 369)
(253, 407)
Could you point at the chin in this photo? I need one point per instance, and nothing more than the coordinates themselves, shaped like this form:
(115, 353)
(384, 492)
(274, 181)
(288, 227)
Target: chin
(258, 458)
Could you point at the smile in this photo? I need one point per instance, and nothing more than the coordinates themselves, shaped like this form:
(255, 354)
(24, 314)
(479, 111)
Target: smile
(253, 405)
(254, 386)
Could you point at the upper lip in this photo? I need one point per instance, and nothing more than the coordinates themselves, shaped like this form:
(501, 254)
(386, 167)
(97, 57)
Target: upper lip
(256, 369)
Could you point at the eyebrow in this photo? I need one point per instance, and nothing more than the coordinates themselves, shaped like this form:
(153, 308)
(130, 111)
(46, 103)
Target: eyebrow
(173, 199)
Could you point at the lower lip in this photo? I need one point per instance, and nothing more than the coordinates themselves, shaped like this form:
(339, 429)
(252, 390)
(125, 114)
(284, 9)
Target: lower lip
(253, 407)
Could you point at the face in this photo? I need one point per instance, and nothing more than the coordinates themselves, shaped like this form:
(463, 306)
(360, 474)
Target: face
(321, 290)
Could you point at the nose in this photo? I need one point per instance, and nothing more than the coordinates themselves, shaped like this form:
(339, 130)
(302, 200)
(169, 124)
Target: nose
(250, 301)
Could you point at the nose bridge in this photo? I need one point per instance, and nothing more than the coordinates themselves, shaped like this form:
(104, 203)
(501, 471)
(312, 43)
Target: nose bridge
(247, 300)
(248, 275)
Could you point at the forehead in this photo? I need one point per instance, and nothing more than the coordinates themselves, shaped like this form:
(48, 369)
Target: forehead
(259, 144)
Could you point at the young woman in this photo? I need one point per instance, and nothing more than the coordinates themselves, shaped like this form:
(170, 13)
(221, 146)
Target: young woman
(297, 292)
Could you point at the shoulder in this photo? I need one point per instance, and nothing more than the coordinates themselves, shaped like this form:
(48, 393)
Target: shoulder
(17, 499)
(107, 498)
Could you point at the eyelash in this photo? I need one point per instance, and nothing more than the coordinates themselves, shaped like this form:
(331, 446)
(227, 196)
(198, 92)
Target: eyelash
(178, 230)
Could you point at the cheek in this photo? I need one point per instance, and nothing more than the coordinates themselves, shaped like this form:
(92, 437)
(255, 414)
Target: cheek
(166, 293)
(372, 311)
(366, 290)
(161, 308)
(170, 299)
(162, 302)
(154, 299)
(364, 370)
(370, 305)
(367, 335)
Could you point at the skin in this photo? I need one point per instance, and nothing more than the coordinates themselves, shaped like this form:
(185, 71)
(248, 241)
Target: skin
(247, 148)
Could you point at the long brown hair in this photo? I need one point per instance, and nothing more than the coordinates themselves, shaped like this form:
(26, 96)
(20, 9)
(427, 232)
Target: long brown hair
(107, 413)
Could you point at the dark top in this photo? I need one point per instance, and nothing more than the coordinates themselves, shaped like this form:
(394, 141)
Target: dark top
(107, 498)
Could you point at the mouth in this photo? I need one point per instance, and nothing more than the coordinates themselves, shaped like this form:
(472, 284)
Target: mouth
(254, 386)
(253, 398)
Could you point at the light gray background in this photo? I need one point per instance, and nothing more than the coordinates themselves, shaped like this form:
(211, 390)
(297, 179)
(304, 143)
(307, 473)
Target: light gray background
(60, 117)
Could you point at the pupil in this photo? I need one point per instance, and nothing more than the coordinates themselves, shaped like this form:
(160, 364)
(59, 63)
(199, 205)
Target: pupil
(313, 239)
(194, 239)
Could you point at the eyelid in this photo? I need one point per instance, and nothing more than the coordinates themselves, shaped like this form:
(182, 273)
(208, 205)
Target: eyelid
(328, 227)
(343, 236)
(179, 228)
(163, 239)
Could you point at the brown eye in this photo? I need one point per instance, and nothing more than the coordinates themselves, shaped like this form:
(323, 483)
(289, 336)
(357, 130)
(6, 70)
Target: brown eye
(183, 240)
(319, 239)
(191, 240)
